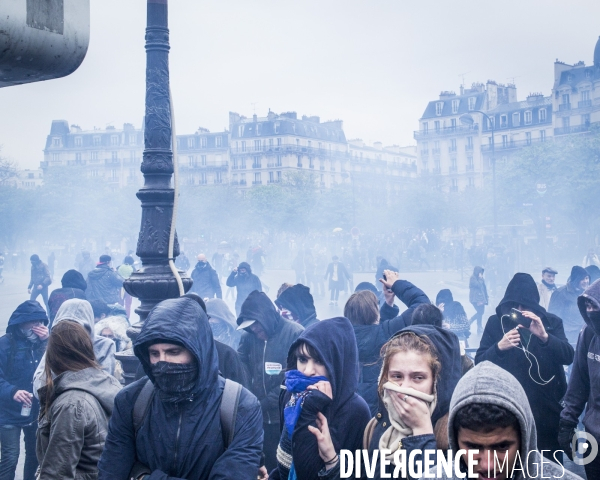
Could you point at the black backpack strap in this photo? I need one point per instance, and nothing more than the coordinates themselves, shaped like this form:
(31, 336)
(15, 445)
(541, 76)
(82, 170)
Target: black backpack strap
(140, 408)
(229, 406)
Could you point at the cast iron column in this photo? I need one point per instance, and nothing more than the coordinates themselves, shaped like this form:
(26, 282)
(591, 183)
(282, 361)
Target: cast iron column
(154, 281)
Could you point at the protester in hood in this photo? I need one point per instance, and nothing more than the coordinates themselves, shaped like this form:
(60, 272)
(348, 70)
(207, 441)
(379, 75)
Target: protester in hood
(263, 351)
(563, 303)
(547, 286)
(76, 403)
(382, 266)
(534, 355)
(245, 282)
(338, 278)
(454, 315)
(478, 296)
(490, 413)
(104, 283)
(421, 367)
(85, 264)
(80, 311)
(73, 286)
(223, 323)
(298, 301)
(114, 328)
(21, 349)
(206, 280)
(594, 273)
(40, 280)
(320, 412)
(584, 382)
(181, 436)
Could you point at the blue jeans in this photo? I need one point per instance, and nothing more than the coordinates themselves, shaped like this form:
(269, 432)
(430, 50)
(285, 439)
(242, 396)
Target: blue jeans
(10, 446)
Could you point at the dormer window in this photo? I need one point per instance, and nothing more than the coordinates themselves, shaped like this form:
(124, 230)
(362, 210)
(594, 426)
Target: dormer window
(528, 117)
(439, 106)
(56, 142)
(78, 141)
(503, 121)
(240, 131)
(516, 119)
(455, 104)
(542, 114)
(472, 101)
(190, 142)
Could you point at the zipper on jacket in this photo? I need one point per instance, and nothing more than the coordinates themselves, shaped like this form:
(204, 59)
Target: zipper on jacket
(177, 438)
(263, 377)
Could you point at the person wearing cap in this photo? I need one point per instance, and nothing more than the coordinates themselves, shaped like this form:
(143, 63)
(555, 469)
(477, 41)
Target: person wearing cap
(206, 280)
(40, 280)
(73, 286)
(563, 302)
(21, 350)
(104, 283)
(181, 435)
(547, 286)
(536, 355)
(263, 351)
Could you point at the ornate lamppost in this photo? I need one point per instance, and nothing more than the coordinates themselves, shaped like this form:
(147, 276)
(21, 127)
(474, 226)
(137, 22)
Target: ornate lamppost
(155, 281)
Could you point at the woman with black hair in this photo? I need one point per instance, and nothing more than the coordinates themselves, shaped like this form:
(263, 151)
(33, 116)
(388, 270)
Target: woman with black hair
(320, 389)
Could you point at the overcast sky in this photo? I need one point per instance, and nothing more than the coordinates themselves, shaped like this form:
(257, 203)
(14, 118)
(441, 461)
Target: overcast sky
(374, 64)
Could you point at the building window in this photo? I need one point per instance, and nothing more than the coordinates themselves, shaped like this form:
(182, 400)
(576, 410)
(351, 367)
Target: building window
(78, 157)
(78, 141)
(271, 177)
(243, 163)
(257, 163)
(56, 142)
(470, 143)
(278, 164)
(436, 125)
(585, 119)
(257, 179)
(218, 141)
(542, 135)
(528, 138)
(278, 176)
(113, 174)
(504, 141)
(566, 122)
(190, 142)
(455, 104)
(191, 180)
(516, 118)
(257, 145)
(279, 142)
(566, 100)
(439, 107)
(527, 117)
(114, 156)
(243, 146)
(277, 127)
(471, 182)
(454, 185)
(542, 114)
(259, 128)
(240, 131)
(242, 179)
(94, 155)
(132, 139)
(472, 101)
(425, 127)
(203, 160)
(203, 142)
(192, 161)
(491, 122)
(453, 124)
(503, 121)
(452, 145)
(94, 173)
(299, 162)
(470, 164)
(114, 139)
(218, 177)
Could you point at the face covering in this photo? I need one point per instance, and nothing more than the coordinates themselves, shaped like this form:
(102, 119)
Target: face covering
(595, 321)
(30, 335)
(175, 381)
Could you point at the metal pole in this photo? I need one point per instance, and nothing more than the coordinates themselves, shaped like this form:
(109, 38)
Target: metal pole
(495, 206)
(155, 282)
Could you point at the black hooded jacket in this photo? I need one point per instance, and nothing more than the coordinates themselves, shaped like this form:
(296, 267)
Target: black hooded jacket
(300, 302)
(347, 413)
(448, 351)
(73, 286)
(552, 355)
(244, 284)
(477, 289)
(255, 353)
(370, 339)
(182, 440)
(584, 382)
(206, 281)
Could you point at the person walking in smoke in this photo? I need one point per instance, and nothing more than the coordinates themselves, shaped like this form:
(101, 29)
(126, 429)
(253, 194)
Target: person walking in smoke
(245, 282)
(206, 280)
(547, 286)
(338, 277)
(40, 280)
(85, 265)
(104, 283)
(478, 296)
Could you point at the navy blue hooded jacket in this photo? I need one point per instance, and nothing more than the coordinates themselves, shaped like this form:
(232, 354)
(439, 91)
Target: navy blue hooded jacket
(347, 413)
(552, 355)
(245, 284)
(370, 339)
(448, 351)
(16, 373)
(300, 302)
(182, 440)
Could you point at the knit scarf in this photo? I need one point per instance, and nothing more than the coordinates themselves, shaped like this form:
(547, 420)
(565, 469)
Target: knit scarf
(398, 430)
(297, 384)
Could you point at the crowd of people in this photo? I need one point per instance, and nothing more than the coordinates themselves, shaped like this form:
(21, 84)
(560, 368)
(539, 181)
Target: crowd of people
(274, 392)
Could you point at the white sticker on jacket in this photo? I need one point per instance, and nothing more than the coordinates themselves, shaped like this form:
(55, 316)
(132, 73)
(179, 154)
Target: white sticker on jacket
(272, 368)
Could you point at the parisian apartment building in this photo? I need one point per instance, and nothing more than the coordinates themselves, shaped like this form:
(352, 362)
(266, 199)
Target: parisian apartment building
(253, 151)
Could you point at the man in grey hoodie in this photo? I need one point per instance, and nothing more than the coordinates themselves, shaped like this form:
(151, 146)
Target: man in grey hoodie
(80, 311)
(489, 412)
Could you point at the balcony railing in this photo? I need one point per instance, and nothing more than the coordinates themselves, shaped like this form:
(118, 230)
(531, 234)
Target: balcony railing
(564, 107)
(452, 149)
(573, 129)
(257, 182)
(584, 103)
(256, 165)
(458, 130)
(513, 144)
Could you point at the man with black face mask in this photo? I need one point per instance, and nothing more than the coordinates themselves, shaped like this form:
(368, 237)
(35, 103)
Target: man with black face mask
(21, 350)
(181, 434)
(584, 383)
(206, 280)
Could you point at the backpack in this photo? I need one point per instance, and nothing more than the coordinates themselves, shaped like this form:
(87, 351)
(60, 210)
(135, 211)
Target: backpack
(228, 408)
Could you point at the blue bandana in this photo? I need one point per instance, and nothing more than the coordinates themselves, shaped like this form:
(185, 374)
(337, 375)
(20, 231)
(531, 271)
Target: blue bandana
(297, 383)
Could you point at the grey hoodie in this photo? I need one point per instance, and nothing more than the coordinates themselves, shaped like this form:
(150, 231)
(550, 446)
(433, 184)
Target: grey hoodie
(71, 434)
(79, 311)
(490, 384)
